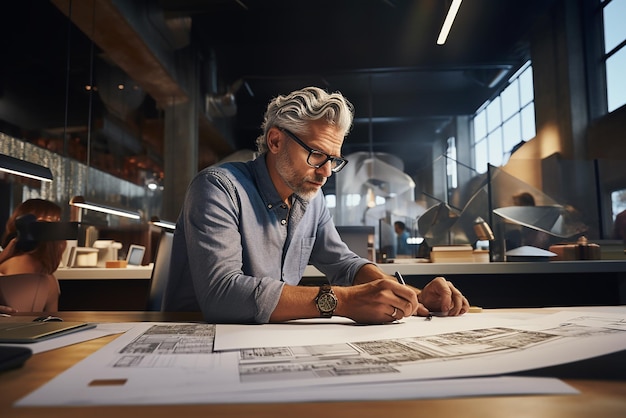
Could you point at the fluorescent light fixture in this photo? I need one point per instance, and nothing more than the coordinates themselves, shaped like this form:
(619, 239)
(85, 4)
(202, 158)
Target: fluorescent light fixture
(498, 77)
(156, 221)
(79, 201)
(447, 24)
(24, 168)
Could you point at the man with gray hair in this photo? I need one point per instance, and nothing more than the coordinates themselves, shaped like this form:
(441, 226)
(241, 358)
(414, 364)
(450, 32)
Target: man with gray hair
(247, 231)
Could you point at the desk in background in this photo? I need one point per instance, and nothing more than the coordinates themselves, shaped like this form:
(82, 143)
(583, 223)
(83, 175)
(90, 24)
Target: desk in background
(104, 289)
(490, 285)
(520, 284)
(604, 398)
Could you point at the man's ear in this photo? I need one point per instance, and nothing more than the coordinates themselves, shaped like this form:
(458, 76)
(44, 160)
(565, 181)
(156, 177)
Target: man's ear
(274, 140)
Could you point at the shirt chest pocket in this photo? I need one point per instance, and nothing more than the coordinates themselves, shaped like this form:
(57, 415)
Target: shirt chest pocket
(298, 258)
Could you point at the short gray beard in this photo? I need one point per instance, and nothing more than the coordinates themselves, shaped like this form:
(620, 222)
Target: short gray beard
(284, 167)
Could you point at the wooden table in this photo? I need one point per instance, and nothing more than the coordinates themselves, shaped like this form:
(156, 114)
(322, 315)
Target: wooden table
(601, 398)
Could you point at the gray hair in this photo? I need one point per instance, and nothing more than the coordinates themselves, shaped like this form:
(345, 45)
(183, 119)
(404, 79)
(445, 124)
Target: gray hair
(297, 109)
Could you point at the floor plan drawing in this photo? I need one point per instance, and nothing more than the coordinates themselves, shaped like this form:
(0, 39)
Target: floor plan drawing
(381, 356)
(163, 344)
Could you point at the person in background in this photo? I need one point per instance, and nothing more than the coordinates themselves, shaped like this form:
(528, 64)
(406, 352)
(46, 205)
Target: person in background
(402, 246)
(523, 199)
(43, 259)
(619, 226)
(247, 231)
(517, 235)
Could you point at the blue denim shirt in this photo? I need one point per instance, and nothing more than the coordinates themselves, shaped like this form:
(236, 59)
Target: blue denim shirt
(236, 245)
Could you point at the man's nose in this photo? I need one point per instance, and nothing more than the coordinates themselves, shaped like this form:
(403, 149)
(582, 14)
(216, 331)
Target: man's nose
(325, 169)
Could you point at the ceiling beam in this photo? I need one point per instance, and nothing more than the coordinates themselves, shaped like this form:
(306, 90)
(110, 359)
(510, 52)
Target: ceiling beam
(103, 23)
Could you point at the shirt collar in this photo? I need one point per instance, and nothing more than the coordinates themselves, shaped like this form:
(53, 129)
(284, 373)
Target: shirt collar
(268, 191)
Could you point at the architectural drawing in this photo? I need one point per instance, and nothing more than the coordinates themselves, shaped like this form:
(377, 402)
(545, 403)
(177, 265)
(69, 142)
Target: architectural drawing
(381, 356)
(175, 363)
(161, 345)
(387, 356)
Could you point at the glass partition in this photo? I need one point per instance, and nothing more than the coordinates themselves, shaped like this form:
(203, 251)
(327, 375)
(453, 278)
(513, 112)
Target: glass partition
(374, 191)
(532, 205)
(527, 203)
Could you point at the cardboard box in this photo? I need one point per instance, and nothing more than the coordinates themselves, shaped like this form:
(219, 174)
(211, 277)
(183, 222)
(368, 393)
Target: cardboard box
(581, 250)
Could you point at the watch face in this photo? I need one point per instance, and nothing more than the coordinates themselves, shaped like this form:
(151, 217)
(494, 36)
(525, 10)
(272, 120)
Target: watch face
(326, 302)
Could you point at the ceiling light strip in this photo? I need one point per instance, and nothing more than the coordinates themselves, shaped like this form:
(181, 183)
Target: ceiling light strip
(79, 202)
(23, 168)
(156, 221)
(447, 24)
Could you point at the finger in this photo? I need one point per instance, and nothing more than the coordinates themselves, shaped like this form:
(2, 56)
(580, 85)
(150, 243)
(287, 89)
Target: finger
(460, 305)
(404, 292)
(446, 298)
(465, 308)
(421, 310)
(7, 309)
(405, 299)
(399, 313)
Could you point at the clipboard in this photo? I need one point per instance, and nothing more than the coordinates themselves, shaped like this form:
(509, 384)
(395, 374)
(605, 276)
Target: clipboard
(33, 332)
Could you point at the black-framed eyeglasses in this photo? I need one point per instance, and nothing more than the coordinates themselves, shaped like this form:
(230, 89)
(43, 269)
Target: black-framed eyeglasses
(316, 157)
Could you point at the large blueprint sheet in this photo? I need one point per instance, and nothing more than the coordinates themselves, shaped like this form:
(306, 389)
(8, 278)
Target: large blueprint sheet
(165, 363)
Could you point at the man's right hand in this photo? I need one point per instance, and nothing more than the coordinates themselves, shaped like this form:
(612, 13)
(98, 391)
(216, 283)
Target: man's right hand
(376, 302)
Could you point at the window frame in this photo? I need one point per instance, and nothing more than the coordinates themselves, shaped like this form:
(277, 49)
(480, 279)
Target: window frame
(493, 131)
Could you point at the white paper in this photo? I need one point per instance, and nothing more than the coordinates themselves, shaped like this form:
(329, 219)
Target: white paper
(338, 330)
(172, 363)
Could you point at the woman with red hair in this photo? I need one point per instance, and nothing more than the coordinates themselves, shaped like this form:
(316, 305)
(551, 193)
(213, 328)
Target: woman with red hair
(41, 258)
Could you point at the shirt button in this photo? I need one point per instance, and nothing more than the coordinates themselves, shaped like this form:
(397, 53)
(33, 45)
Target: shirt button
(283, 222)
(269, 206)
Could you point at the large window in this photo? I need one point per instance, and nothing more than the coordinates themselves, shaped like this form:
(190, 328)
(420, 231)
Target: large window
(504, 122)
(614, 12)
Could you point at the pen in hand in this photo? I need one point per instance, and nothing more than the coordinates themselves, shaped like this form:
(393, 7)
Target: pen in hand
(400, 278)
(402, 282)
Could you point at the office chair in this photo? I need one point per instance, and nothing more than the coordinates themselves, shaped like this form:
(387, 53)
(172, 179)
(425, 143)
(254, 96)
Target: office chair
(26, 292)
(160, 272)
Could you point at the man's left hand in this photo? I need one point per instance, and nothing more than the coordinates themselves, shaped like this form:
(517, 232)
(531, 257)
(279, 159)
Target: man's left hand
(441, 297)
